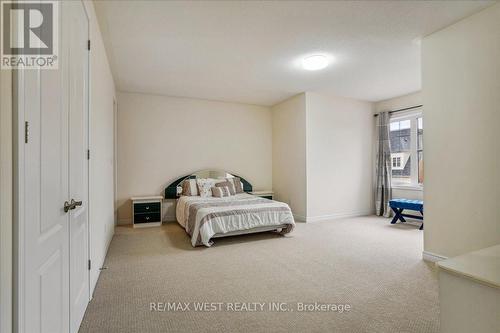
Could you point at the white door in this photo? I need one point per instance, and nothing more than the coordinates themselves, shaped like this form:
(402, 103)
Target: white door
(43, 182)
(53, 243)
(77, 31)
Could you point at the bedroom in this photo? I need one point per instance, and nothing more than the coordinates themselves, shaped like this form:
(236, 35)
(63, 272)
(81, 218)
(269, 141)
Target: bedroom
(194, 114)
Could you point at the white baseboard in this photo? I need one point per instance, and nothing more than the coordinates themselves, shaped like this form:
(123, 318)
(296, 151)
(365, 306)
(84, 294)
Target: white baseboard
(432, 257)
(337, 216)
(298, 218)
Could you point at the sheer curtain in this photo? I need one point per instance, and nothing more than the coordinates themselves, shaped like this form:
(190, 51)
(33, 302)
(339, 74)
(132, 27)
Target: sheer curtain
(383, 190)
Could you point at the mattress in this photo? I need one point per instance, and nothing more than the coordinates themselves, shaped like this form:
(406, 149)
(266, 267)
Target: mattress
(207, 218)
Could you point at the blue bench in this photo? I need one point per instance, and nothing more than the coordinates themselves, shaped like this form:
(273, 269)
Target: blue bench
(399, 205)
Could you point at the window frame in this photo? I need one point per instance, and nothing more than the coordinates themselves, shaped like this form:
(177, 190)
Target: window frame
(413, 116)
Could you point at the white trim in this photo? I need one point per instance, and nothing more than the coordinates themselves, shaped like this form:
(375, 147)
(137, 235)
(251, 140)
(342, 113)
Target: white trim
(338, 216)
(18, 118)
(432, 257)
(115, 161)
(412, 116)
(87, 161)
(407, 187)
(6, 156)
(404, 115)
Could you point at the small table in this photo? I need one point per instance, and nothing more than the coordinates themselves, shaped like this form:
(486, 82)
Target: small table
(146, 211)
(398, 205)
(269, 194)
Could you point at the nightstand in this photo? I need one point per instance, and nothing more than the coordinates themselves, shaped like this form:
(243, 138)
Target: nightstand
(263, 194)
(146, 211)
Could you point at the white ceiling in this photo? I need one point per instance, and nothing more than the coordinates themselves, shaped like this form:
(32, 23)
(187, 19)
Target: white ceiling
(250, 51)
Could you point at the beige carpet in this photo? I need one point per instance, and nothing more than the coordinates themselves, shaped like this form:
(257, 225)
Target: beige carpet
(365, 262)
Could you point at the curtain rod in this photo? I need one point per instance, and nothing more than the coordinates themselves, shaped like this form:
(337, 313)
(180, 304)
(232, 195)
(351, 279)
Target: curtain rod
(405, 109)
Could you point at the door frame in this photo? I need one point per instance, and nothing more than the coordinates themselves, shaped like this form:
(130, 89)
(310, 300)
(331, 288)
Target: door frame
(6, 202)
(89, 252)
(115, 161)
(18, 117)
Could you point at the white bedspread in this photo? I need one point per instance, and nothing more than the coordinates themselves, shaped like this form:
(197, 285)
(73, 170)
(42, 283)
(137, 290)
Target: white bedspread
(202, 218)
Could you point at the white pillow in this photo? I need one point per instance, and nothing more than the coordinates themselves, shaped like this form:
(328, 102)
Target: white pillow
(205, 186)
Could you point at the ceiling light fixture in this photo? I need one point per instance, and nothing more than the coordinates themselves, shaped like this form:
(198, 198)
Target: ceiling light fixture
(315, 62)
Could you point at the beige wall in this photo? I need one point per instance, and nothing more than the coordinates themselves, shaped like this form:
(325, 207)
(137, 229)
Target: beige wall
(289, 154)
(339, 157)
(398, 103)
(102, 92)
(461, 94)
(5, 200)
(322, 153)
(162, 138)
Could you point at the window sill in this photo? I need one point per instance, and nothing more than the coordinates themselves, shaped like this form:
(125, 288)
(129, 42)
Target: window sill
(408, 187)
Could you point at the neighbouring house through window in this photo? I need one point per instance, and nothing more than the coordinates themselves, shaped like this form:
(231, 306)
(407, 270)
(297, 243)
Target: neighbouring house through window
(396, 162)
(407, 151)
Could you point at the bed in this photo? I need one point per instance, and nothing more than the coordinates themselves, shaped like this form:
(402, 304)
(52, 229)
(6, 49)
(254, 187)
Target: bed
(206, 218)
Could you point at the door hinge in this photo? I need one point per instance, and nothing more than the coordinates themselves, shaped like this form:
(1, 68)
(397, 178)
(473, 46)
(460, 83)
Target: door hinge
(88, 44)
(88, 154)
(90, 264)
(26, 131)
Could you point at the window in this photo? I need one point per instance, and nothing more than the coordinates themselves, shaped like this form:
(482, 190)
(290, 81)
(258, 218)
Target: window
(420, 149)
(396, 162)
(407, 151)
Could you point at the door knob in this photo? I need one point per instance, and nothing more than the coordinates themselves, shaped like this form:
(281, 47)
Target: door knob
(71, 205)
(75, 203)
(68, 206)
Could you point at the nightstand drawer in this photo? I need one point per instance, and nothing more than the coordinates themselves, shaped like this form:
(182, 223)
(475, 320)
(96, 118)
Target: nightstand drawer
(147, 217)
(148, 207)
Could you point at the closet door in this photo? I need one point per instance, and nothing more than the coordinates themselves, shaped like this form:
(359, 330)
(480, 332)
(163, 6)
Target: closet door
(52, 272)
(77, 32)
(43, 259)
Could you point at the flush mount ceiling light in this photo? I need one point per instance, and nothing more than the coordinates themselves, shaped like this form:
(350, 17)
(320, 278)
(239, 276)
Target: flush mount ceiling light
(315, 62)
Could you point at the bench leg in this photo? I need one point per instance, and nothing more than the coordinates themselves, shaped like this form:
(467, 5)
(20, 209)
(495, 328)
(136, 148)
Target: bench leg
(422, 226)
(401, 217)
(397, 216)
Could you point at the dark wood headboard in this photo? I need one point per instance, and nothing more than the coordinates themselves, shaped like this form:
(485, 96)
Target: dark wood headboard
(171, 189)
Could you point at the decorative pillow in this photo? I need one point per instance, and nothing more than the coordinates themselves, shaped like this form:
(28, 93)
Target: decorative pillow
(227, 184)
(220, 191)
(205, 186)
(189, 187)
(238, 186)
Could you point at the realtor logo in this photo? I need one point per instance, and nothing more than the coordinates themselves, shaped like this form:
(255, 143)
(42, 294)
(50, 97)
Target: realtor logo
(29, 37)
